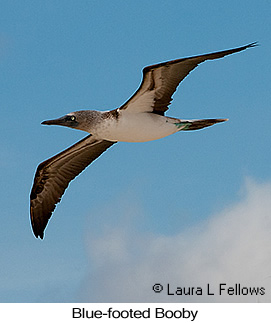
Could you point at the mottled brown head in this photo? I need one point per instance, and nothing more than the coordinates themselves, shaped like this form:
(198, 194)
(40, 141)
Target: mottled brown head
(82, 120)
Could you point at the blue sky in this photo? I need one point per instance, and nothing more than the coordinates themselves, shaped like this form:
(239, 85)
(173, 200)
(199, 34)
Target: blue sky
(132, 208)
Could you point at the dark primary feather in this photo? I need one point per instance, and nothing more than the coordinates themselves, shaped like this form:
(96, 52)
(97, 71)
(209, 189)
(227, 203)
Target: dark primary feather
(164, 78)
(53, 176)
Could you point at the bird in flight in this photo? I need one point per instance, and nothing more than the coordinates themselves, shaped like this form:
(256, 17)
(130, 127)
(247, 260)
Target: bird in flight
(141, 118)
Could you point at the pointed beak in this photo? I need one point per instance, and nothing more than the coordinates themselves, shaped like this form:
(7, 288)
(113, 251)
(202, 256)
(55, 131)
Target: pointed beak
(57, 122)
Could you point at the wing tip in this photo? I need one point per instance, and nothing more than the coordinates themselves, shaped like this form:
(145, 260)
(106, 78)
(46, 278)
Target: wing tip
(36, 228)
(38, 232)
(253, 44)
(38, 235)
(250, 45)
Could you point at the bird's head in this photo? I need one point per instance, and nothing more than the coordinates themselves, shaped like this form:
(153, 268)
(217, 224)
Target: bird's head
(82, 120)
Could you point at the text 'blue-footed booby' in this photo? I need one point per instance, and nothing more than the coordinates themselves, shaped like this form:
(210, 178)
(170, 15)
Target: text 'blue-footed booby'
(139, 119)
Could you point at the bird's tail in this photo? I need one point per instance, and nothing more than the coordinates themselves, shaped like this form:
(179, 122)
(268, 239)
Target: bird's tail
(197, 124)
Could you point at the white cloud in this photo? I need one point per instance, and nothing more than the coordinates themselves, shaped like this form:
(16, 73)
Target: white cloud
(231, 247)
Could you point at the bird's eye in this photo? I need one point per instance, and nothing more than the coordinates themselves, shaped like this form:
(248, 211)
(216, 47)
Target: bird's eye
(73, 118)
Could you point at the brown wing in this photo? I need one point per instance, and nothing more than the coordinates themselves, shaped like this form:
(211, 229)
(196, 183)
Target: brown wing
(161, 80)
(54, 175)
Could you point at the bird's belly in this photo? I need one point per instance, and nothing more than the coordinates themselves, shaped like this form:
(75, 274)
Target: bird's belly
(139, 127)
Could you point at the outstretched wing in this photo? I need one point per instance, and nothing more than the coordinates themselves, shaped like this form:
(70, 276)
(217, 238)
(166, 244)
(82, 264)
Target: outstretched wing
(54, 175)
(161, 80)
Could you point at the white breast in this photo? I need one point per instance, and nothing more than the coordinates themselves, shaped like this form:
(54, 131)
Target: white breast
(137, 127)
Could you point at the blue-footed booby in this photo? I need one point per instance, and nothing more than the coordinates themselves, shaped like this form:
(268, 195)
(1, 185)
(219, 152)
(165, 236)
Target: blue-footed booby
(141, 118)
